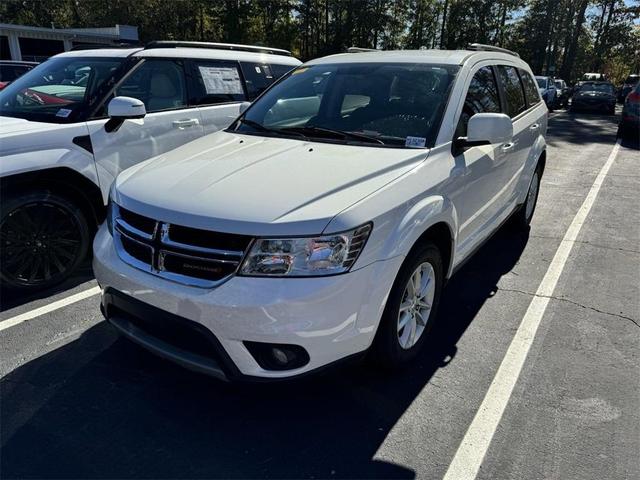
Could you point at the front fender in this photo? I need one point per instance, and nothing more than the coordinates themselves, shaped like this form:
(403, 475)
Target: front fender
(29, 151)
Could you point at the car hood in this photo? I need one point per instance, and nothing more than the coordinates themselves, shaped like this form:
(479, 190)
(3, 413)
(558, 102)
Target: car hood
(259, 185)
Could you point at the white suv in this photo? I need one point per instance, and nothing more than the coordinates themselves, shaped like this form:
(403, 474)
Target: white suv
(64, 138)
(325, 221)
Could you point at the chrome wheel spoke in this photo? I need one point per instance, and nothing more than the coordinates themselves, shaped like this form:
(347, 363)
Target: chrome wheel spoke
(403, 321)
(416, 304)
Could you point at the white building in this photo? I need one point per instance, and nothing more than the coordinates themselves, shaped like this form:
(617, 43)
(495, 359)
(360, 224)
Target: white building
(21, 42)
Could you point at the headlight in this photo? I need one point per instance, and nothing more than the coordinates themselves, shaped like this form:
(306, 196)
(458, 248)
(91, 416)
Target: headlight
(305, 257)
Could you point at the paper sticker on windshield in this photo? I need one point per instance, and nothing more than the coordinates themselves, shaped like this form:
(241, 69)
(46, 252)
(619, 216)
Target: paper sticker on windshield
(221, 80)
(63, 112)
(415, 142)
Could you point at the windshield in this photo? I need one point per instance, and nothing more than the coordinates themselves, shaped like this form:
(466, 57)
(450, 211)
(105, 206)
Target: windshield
(597, 87)
(57, 90)
(366, 103)
(632, 79)
(542, 82)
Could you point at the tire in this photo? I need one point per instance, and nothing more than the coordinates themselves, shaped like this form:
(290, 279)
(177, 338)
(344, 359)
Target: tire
(393, 345)
(522, 218)
(43, 238)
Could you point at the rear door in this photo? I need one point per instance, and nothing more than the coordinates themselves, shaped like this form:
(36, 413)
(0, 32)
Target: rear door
(218, 91)
(170, 121)
(513, 154)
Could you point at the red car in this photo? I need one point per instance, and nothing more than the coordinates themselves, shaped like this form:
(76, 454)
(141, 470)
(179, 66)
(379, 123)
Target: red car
(10, 70)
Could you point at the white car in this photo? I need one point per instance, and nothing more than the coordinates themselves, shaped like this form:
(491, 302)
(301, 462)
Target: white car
(548, 91)
(324, 222)
(63, 137)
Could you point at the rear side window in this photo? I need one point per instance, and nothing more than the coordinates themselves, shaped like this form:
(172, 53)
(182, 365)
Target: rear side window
(530, 88)
(217, 82)
(513, 90)
(482, 97)
(258, 77)
(280, 70)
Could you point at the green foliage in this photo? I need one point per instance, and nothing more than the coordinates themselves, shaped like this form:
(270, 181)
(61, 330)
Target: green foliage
(565, 37)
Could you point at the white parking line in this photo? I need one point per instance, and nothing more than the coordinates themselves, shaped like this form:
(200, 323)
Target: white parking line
(471, 452)
(23, 317)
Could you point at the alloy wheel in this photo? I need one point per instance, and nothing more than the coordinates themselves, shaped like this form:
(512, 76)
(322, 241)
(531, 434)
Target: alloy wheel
(39, 241)
(416, 305)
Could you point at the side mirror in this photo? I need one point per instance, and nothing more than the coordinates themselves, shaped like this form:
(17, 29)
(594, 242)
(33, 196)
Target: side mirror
(244, 106)
(121, 109)
(485, 129)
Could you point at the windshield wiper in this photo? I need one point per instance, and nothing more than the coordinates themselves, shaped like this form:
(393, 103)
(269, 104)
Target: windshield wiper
(335, 133)
(262, 128)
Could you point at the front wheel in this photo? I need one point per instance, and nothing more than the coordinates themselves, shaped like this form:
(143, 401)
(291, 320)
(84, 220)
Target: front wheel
(411, 309)
(43, 238)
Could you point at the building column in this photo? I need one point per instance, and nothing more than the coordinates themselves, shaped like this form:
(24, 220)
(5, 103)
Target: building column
(14, 47)
(67, 45)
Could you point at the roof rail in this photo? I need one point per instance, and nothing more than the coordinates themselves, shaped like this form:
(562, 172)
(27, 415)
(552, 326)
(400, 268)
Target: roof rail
(217, 46)
(481, 47)
(361, 50)
(102, 46)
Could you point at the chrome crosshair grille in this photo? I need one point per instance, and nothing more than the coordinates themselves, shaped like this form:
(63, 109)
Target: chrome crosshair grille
(182, 254)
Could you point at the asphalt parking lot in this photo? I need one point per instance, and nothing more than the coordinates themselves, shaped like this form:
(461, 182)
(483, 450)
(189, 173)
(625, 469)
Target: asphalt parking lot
(78, 402)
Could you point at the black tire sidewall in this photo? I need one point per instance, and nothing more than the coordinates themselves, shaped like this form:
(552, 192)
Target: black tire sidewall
(386, 350)
(11, 203)
(520, 217)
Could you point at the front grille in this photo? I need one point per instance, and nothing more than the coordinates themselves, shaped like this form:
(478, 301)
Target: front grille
(183, 254)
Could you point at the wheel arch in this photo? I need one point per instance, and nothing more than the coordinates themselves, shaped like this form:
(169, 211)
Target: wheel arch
(63, 181)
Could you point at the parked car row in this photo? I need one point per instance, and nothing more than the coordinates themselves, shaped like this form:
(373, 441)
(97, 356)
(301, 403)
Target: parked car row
(266, 240)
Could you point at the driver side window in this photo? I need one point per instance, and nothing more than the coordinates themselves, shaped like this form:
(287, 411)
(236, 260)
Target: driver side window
(482, 97)
(160, 84)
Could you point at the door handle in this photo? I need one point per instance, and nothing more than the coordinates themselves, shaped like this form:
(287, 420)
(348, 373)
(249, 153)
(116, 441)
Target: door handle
(189, 122)
(535, 126)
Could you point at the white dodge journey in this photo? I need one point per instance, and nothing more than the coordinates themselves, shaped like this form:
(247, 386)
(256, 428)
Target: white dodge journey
(325, 221)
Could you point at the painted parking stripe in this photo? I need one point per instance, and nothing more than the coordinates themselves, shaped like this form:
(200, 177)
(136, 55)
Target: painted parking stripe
(23, 317)
(471, 452)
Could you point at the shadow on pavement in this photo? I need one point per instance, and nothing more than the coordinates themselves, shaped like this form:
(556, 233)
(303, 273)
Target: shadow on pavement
(10, 299)
(578, 127)
(102, 407)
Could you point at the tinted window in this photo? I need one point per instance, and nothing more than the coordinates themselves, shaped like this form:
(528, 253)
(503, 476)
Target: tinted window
(530, 89)
(258, 77)
(512, 89)
(394, 104)
(482, 96)
(160, 84)
(218, 82)
(280, 70)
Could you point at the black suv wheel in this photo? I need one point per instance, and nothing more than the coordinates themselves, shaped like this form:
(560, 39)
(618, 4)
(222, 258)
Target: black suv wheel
(43, 238)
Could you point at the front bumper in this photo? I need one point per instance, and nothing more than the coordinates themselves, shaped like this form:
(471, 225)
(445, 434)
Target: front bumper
(330, 317)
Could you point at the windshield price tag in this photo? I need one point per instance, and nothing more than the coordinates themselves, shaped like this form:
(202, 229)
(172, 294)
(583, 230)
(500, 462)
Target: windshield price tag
(415, 142)
(63, 113)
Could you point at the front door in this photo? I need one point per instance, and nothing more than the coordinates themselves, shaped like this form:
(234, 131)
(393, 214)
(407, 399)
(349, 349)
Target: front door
(170, 122)
(482, 166)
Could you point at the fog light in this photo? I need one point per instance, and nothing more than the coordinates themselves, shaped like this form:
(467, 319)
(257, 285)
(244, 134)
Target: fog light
(278, 356)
